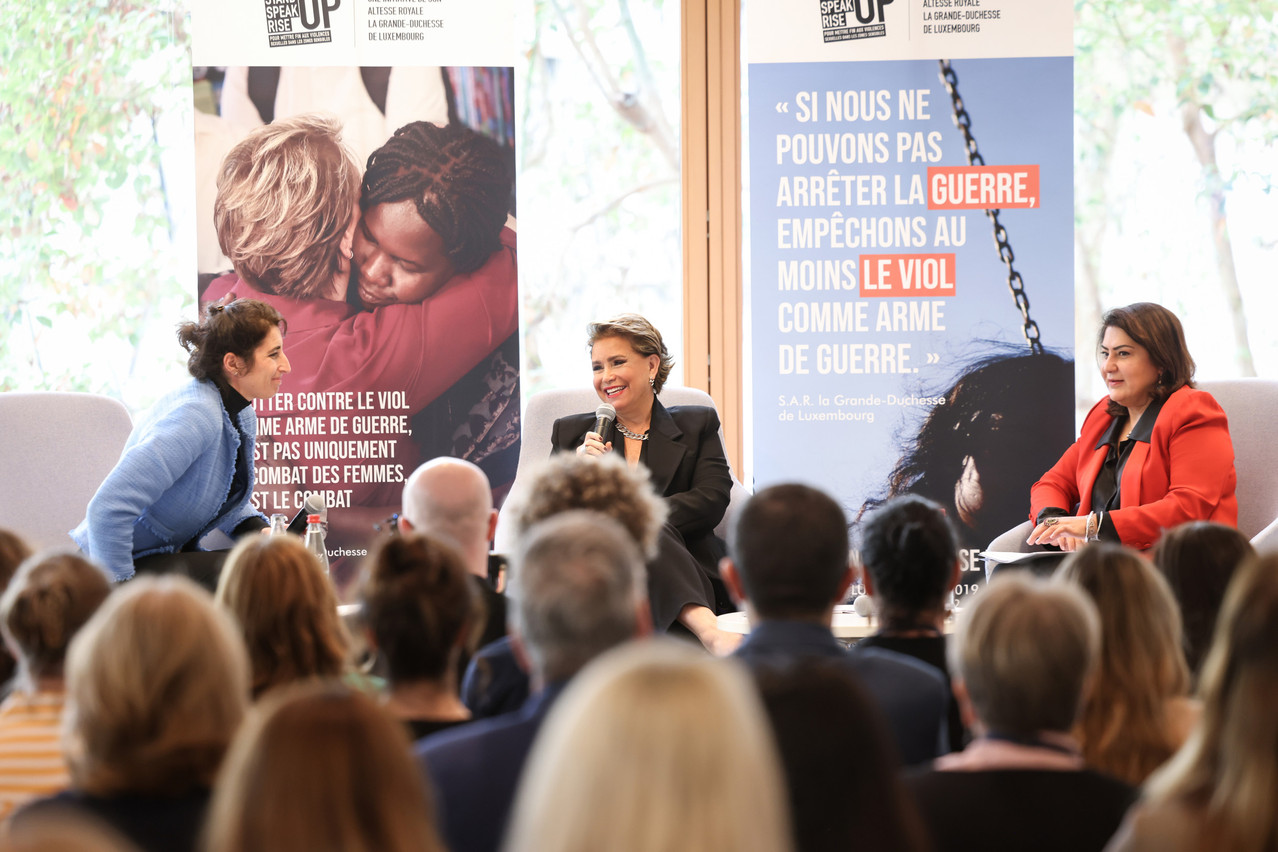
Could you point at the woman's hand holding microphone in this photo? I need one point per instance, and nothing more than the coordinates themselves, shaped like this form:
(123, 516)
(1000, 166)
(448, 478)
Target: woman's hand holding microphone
(594, 445)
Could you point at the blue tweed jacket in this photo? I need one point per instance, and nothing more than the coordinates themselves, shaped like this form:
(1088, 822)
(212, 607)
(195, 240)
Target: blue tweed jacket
(171, 481)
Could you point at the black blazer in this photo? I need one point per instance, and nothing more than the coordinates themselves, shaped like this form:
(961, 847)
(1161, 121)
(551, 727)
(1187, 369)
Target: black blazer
(686, 460)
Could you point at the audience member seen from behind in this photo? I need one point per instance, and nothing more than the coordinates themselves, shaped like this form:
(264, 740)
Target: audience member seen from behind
(495, 683)
(1138, 712)
(1198, 560)
(680, 447)
(420, 612)
(1152, 455)
(1218, 792)
(49, 598)
(577, 589)
(910, 559)
(286, 611)
(320, 766)
(450, 500)
(840, 771)
(188, 466)
(157, 683)
(1021, 661)
(13, 550)
(655, 747)
(788, 566)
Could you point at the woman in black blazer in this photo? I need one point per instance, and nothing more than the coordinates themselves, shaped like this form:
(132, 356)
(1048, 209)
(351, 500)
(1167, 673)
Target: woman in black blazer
(681, 450)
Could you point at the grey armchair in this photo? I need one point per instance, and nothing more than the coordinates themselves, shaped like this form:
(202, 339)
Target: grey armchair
(57, 449)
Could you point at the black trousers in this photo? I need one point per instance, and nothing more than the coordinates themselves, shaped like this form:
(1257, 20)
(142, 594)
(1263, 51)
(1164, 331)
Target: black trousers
(202, 566)
(685, 573)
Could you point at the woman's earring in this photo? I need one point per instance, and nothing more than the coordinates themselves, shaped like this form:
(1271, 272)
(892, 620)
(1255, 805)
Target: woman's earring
(652, 382)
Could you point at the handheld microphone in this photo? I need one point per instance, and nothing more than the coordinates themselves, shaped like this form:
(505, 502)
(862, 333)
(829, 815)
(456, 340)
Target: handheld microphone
(605, 414)
(315, 505)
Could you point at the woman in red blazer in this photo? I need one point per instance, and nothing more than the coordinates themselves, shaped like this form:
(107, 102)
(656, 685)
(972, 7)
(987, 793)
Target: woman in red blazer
(1152, 455)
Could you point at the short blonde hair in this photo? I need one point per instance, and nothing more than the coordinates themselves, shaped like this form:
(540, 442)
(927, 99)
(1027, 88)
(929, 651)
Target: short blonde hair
(701, 770)
(1124, 729)
(642, 336)
(285, 198)
(157, 683)
(321, 766)
(286, 610)
(604, 484)
(1025, 649)
(50, 597)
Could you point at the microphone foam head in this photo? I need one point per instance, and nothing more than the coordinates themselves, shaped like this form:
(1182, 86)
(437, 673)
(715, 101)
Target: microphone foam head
(315, 503)
(605, 411)
(863, 606)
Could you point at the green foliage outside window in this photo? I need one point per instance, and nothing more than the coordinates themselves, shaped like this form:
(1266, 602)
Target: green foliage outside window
(87, 245)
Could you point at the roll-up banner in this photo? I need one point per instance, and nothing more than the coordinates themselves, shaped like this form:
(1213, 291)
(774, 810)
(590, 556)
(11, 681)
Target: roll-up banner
(403, 335)
(910, 213)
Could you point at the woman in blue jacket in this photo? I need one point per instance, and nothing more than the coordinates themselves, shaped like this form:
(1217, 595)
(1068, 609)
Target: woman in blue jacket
(187, 469)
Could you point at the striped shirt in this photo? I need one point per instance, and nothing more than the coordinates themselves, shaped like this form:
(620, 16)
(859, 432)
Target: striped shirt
(31, 761)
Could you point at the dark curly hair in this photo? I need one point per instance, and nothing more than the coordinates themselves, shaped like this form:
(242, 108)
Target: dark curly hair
(238, 327)
(605, 484)
(457, 178)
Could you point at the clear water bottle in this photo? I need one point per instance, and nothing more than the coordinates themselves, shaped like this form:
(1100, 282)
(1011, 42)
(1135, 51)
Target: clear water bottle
(315, 540)
(279, 524)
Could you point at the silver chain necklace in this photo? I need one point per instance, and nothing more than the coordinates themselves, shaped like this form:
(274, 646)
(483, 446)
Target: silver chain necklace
(621, 427)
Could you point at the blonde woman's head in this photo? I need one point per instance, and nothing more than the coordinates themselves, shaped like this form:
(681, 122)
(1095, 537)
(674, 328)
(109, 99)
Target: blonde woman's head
(1025, 651)
(654, 747)
(286, 609)
(287, 204)
(642, 336)
(157, 682)
(1125, 726)
(1228, 769)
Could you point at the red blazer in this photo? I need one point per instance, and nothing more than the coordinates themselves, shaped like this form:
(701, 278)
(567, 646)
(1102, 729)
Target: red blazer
(1185, 472)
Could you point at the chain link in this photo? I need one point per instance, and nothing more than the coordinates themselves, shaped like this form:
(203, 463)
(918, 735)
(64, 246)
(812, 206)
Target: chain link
(1015, 283)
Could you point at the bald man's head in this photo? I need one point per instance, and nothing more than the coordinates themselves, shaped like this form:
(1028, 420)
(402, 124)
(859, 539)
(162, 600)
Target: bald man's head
(450, 499)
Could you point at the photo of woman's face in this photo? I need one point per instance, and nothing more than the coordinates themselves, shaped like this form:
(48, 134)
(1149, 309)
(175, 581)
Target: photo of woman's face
(399, 259)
